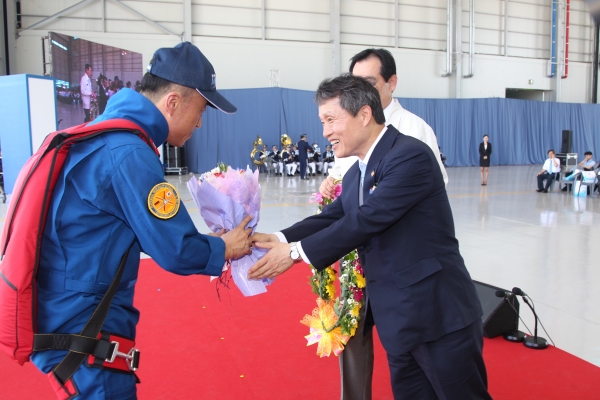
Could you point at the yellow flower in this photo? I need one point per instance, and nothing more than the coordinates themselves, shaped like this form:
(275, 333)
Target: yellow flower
(353, 331)
(331, 273)
(330, 289)
(355, 310)
(360, 280)
(328, 342)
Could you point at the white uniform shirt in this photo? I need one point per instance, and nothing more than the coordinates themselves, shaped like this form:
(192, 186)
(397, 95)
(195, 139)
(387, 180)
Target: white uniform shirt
(86, 91)
(408, 124)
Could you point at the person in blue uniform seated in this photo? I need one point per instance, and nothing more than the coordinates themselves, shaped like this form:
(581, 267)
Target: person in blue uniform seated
(303, 148)
(588, 164)
(101, 207)
(548, 173)
(394, 209)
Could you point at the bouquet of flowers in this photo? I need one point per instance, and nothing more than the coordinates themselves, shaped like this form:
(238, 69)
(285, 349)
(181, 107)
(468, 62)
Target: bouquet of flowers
(225, 196)
(335, 320)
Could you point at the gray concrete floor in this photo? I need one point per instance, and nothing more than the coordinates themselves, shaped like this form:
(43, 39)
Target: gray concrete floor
(510, 235)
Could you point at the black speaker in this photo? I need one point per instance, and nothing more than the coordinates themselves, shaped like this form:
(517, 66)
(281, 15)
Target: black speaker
(498, 315)
(567, 142)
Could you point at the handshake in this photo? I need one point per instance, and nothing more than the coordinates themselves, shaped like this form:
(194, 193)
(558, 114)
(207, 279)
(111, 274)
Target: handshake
(239, 241)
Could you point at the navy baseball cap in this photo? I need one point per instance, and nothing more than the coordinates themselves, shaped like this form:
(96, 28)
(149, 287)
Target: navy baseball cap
(185, 65)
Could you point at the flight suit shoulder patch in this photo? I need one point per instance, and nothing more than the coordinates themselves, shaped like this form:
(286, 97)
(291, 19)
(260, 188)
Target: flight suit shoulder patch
(164, 201)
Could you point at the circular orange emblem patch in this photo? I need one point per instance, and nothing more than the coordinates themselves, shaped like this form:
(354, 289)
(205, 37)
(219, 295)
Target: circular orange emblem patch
(163, 201)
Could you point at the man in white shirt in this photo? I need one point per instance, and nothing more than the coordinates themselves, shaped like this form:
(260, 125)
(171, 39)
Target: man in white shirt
(548, 173)
(85, 86)
(379, 68)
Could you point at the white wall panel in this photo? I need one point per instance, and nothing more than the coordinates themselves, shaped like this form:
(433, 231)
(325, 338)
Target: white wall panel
(230, 3)
(298, 21)
(412, 43)
(427, 15)
(307, 6)
(297, 35)
(226, 31)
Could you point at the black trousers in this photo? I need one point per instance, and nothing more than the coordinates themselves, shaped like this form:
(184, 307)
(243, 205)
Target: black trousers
(549, 179)
(449, 368)
(303, 164)
(87, 114)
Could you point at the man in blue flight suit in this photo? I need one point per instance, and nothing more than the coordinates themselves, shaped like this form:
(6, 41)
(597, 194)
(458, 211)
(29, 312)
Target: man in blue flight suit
(103, 204)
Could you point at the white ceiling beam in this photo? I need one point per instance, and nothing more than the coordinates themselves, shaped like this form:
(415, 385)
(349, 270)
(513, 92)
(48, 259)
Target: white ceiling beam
(51, 18)
(148, 20)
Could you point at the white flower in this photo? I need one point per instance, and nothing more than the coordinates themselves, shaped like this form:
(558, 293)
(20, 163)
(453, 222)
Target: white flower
(341, 301)
(350, 301)
(356, 256)
(344, 264)
(353, 321)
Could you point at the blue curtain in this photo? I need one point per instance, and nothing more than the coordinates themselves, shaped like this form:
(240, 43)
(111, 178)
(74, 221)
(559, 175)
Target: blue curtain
(521, 131)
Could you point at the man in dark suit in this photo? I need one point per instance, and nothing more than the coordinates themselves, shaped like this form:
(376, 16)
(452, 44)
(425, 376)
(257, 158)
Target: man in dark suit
(395, 210)
(303, 148)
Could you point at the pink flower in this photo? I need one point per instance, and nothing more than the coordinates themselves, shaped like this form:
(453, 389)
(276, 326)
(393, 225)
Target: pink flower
(358, 268)
(316, 198)
(338, 190)
(358, 294)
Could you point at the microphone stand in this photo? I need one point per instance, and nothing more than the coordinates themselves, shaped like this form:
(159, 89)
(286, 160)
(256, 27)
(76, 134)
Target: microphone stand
(534, 342)
(514, 335)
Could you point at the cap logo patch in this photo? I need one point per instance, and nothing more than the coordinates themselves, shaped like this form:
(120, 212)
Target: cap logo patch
(163, 201)
(213, 81)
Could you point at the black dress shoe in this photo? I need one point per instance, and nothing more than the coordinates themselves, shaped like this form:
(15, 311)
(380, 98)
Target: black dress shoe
(545, 191)
(564, 189)
(539, 190)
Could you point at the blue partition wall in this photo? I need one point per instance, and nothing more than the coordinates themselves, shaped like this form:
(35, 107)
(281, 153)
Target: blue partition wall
(521, 131)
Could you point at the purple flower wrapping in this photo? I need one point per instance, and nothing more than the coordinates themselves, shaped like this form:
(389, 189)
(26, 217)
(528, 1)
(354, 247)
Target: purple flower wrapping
(224, 200)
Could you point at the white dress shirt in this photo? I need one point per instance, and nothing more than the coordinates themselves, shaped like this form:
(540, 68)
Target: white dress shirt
(408, 124)
(550, 166)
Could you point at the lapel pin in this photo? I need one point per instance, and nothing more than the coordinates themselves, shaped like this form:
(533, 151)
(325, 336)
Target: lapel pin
(372, 173)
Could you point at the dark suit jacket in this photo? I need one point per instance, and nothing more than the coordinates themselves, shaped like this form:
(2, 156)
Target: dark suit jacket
(102, 99)
(483, 152)
(303, 148)
(418, 288)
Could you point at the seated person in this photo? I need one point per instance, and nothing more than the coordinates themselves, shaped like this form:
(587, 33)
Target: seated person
(328, 159)
(317, 157)
(288, 161)
(311, 167)
(276, 159)
(587, 164)
(549, 171)
(296, 155)
(263, 155)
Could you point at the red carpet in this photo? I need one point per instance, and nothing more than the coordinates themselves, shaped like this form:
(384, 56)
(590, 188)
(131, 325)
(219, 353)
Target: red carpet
(195, 347)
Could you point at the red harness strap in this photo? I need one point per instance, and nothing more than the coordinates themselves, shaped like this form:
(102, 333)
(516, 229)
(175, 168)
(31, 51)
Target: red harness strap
(120, 355)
